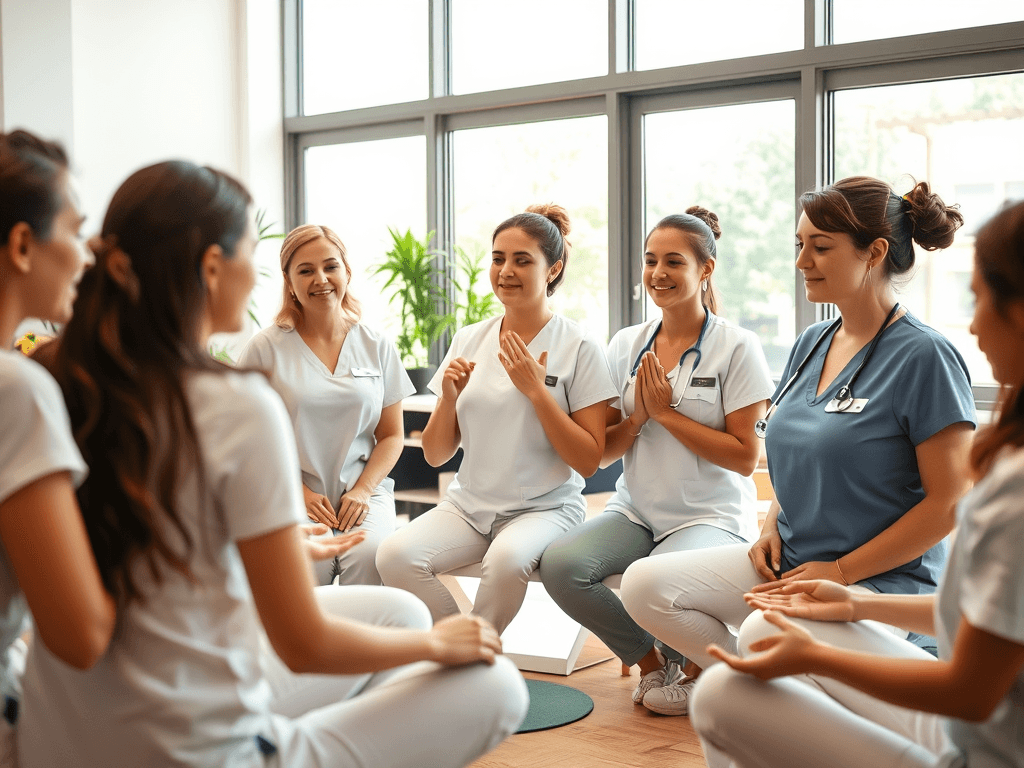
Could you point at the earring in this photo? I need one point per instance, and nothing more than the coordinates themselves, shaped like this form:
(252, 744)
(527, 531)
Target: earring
(704, 285)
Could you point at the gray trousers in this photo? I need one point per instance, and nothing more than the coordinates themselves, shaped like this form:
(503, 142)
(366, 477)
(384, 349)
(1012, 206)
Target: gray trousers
(574, 565)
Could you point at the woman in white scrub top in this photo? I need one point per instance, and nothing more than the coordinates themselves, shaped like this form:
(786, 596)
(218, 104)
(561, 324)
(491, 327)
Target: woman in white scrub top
(524, 394)
(194, 503)
(343, 384)
(46, 564)
(847, 705)
(691, 387)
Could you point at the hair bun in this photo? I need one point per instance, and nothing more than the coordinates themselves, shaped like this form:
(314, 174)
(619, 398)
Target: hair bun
(933, 222)
(554, 213)
(709, 218)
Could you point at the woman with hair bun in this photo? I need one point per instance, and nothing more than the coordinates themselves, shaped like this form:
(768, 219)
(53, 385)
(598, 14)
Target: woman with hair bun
(524, 394)
(873, 698)
(691, 387)
(46, 563)
(343, 383)
(867, 436)
(224, 654)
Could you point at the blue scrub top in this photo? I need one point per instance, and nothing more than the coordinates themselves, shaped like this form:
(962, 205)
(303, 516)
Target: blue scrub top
(843, 478)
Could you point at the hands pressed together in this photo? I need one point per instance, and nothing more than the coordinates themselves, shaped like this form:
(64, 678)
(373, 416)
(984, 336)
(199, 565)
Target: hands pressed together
(352, 509)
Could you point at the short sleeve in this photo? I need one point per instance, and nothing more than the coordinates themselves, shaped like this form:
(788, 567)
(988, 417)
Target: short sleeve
(36, 439)
(249, 449)
(397, 384)
(591, 381)
(933, 389)
(992, 587)
(256, 354)
(619, 362)
(748, 380)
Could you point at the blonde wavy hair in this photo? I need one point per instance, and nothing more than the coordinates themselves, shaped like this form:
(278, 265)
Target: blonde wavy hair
(291, 310)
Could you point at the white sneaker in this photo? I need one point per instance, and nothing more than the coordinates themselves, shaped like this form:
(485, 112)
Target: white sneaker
(656, 679)
(670, 699)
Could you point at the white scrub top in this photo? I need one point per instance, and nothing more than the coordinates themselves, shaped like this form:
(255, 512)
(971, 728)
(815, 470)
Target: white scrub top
(181, 683)
(508, 463)
(984, 583)
(334, 413)
(35, 441)
(664, 485)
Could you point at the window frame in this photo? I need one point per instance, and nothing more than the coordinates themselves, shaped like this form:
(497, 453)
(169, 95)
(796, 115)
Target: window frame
(810, 74)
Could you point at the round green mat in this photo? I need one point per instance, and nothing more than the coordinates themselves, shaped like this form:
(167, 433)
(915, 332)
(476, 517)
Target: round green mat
(552, 705)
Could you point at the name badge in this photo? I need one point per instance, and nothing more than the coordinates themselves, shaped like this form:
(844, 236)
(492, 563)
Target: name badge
(703, 382)
(364, 372)
(550, 381)
(856, 405)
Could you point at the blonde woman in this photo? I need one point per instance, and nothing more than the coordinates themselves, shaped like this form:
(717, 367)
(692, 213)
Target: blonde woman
(343, 383)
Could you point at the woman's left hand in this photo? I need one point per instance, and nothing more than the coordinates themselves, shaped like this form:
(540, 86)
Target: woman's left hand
(352, 508)
(654, 386)
(816, 569)
(525, 372)
(327, 549)
(787, 653)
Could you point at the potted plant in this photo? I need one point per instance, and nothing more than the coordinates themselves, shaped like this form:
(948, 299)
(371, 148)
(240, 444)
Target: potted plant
(413, 278)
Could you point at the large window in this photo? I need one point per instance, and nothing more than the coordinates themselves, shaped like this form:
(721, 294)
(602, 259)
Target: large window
(450, 115)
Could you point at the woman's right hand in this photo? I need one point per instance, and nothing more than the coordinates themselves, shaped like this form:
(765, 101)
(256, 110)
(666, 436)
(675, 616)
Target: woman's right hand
(318, 508)
(456, 377)
(766, 554)
(464, 639)
(818, 600)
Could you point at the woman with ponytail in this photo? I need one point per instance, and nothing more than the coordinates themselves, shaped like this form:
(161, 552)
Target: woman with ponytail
(193, 506)
(867, 436)
(691, 387)
(46, 565)
(864, 697)
(524, 395)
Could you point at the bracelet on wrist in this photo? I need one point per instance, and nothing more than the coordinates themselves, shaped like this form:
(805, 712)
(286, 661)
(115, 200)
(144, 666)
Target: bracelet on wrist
(841, 574)
(637, 433)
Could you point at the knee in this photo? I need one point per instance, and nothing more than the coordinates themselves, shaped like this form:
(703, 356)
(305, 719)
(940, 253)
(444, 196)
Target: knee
(563, 571)
(755, 627)
(716, 698)
(638, 589)
(505, 563)
(395, 557)
(505, 685)
(407, 610)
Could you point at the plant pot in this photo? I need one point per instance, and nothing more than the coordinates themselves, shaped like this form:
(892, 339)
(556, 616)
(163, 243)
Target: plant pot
(421, 377)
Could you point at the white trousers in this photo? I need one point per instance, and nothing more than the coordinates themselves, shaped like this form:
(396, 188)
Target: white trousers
(440, 541)
(359, 564)
(810, 721)
(419, 715)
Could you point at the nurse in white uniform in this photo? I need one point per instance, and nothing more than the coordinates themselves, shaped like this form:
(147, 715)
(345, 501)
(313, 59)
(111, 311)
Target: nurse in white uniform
(692, 386)
(225, 654)
(343, 384)
(46, 564)
(524, 394)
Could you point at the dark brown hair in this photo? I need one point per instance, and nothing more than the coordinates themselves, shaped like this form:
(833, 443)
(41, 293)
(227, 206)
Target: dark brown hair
(999, 259)
(30, 189)
(124, 357)
(867, 209)
(701, 229)
(548, 224)
(291, 309)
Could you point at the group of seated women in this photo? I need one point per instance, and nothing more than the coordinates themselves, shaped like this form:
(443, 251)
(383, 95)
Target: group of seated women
(165, 517)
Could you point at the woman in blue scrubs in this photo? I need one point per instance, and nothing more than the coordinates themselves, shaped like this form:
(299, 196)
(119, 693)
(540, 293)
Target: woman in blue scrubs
(867, 437)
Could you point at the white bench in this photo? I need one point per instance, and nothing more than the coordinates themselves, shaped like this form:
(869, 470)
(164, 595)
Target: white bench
(541, 638)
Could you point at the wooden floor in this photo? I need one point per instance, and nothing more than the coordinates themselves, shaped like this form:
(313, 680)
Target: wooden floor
(617, 734)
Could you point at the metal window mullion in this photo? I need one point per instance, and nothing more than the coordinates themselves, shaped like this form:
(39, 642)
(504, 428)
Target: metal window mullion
(439, 216)
(439, 48)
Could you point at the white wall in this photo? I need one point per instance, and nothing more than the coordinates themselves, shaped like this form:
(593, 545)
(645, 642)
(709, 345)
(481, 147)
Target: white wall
(125, 83)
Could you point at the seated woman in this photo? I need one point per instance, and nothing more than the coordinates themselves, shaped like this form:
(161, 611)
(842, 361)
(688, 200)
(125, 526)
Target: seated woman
(691, 387)
(853, 706)
(192, 505)
(343, 384)
(524, 394)
(46, 564)
(867, 436)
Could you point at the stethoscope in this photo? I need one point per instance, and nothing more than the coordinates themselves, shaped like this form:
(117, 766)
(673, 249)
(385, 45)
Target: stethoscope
(650, 346)
(844, 397)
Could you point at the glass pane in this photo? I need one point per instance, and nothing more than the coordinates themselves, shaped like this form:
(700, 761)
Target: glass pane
(963, 138)
(854, 20)
(500, 171)
(737, 161)
(359, 54)
(670, 33)
(504, 45)
(359, 190)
